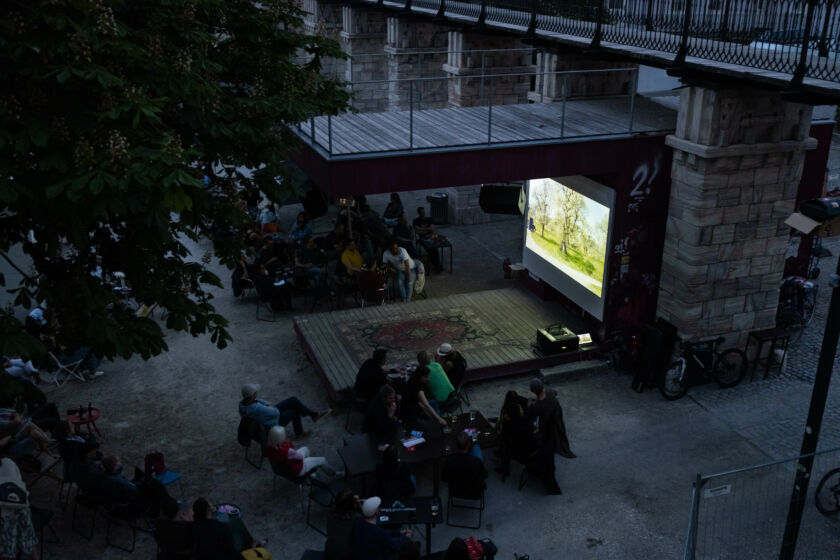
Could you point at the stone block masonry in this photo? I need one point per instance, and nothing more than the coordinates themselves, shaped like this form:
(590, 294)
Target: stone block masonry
(411, 46)
(738, 159)
(363, 38)
(467, 88)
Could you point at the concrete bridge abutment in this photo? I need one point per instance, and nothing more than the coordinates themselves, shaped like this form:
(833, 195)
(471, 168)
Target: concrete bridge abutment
(737, 164)
(416, 48)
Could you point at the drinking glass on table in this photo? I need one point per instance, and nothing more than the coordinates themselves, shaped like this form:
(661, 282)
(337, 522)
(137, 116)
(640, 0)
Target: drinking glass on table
(472, 415)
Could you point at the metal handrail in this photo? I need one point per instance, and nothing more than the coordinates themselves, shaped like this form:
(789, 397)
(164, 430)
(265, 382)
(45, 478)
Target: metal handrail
(803, 35)
(488, 101)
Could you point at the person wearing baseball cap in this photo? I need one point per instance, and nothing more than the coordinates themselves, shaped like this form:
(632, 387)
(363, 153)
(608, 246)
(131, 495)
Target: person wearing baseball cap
(373, 542)
(280, 414)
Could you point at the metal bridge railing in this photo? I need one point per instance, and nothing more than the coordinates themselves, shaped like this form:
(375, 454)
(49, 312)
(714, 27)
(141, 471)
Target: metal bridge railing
(495, 108)
(799, 38)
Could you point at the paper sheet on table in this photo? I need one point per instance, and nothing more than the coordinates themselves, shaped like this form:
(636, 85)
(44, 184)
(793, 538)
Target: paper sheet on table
(413, 441)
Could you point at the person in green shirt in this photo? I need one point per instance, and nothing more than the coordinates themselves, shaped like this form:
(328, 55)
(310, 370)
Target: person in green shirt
(439, 387)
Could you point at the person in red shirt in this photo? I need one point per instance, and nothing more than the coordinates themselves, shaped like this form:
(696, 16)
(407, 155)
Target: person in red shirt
(279, 449)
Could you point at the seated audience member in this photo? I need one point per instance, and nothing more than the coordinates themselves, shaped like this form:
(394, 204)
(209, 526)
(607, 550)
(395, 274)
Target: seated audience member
(300, 229)
(464, 471)
(25, 371)
(405, 235)
(218, 540)
(453, 363)
(280, 450)
(393, 477)
(267, 214)
(373, 227)
(72, 446)
(351, 258)
(280, 414)
(310, 258)
(425, 230)
(273, 255)
(399, 263)
(17, 533)
(333, 243)
(21, 436)
(372, 542)
(278, 297)
(90, 362)
(517, 434)
(141, 495)
(380, 420)
(457, 550)
(175, 537)
(347, 508)
(87, 470)
(393, 211)
(371, 376)
(414, 405)
(439, 388)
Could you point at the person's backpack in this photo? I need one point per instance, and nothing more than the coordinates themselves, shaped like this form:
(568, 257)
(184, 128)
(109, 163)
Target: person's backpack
(154, 463)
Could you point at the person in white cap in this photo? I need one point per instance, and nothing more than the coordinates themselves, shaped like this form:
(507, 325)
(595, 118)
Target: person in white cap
(372, 542)
(280, 414)
(452, 362)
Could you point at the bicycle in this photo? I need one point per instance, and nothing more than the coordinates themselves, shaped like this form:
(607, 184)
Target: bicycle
(827, 496)
(798, 297)
(702, 358)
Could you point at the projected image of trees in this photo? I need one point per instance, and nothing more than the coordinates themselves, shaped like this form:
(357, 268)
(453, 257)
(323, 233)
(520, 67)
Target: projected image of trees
(568, 230)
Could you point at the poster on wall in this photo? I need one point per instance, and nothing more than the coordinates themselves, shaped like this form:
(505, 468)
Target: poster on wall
(568, 226)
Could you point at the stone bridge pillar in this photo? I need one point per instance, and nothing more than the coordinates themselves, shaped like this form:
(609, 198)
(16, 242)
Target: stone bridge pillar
(410, 45)
(467, 89)
(738, 159)
(363, 39)
(323, 18)
(549, 87)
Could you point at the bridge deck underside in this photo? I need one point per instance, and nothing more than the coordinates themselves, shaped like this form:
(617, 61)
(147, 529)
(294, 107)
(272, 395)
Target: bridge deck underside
(371, 133)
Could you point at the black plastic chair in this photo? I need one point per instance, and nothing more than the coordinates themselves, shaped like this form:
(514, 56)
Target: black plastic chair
(116, 514)
(450, 503)
(358, 404)
(313, 555)
(250, 431)
(323, 494)
(91, 500)
(282, 470)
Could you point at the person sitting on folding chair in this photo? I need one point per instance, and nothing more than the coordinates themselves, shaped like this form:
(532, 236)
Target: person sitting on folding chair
(25, 371)
(453, 363)
(216, 539)
(280, 414)
(21, 435)
(281, 450)
(440, 389)
(143, 494)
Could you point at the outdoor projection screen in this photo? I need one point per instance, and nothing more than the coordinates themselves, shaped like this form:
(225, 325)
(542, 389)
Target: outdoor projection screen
(568, 226)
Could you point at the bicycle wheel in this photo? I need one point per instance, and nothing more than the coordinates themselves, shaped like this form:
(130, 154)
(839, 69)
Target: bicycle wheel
(672, 382)
(730, 367)
(827, 496)
(789, 319)
(809, 303)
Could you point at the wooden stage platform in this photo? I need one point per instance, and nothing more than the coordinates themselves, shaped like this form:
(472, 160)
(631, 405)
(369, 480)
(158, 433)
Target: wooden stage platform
(495, 330)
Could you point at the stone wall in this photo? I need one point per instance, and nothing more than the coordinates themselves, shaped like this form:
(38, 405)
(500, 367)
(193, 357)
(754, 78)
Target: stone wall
(411, 44)
(549, 87)
(468, 89)
(363, 38)
(325, 20)
(738, 159)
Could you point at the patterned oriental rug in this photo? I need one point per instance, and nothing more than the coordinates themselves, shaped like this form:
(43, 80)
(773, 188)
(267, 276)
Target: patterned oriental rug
(494, 330)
